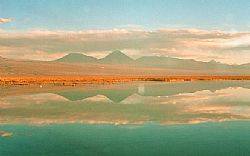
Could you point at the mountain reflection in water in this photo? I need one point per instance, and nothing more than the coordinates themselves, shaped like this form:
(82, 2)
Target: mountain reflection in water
(129, 103)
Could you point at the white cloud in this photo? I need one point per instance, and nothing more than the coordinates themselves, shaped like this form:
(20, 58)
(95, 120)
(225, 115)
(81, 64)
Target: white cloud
(5, 20)
(203, 45)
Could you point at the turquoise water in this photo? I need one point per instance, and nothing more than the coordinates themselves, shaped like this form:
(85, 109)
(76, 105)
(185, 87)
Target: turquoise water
(228, 138)
(200, 118)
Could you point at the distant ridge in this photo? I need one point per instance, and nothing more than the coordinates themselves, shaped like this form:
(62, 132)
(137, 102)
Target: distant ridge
(2, 59)
(176, 63)
(77, 58)
(247, 66)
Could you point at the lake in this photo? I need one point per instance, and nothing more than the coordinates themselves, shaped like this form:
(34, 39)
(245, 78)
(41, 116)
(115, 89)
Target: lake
(138, 118)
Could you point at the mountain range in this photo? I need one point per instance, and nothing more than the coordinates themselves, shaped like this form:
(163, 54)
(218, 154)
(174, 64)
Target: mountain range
(118, 58)
(117, 63)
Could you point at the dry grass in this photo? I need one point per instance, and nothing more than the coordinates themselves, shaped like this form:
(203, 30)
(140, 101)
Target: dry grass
(79, 80)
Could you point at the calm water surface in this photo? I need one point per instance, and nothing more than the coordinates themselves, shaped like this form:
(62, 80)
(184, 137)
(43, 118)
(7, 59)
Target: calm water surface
(143, 118)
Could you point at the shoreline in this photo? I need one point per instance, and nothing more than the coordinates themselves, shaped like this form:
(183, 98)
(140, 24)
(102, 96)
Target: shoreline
(81, 80)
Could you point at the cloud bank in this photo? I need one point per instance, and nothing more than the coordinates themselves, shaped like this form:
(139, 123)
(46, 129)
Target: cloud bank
(202, 45)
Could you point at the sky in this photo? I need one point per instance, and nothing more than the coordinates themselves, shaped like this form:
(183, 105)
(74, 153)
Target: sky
(203, 30)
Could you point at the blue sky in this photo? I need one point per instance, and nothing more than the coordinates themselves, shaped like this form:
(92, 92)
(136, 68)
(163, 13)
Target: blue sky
(108, 14)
